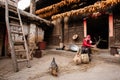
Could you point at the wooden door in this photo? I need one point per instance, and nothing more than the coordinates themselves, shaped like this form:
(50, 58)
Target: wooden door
(1, 38)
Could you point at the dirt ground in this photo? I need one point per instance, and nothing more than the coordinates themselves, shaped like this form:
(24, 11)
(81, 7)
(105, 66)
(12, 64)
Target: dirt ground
(102, 67)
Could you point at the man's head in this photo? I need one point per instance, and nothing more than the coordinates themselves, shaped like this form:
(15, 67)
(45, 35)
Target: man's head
(88, 37)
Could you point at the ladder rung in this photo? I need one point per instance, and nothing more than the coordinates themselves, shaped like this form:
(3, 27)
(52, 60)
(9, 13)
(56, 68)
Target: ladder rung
(22, 60)
(12, 10)
(18, 42)
(12, 0)
(12, 5)
(22, 50)
(16, 32)
(14, 18)
(12, 24)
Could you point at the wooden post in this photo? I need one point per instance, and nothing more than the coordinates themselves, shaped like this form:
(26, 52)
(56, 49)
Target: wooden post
(85, 27)
(32, 7)
(110, 25)
(32, 30)
(66, 23)
(66, 28)
(59, 27)
(111, 33)
(6, 44)
(62, 30)
(55, 32)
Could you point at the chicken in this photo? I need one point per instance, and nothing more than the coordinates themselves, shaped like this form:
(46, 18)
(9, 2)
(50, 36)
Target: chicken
(53, 68)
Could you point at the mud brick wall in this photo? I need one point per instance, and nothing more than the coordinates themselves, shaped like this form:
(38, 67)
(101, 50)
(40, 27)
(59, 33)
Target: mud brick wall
(116, 37)
(69, 29)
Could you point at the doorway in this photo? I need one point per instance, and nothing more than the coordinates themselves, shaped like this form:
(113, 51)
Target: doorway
(98, 29)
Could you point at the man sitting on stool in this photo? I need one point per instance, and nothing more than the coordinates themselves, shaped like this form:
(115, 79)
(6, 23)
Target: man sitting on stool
(86, 46)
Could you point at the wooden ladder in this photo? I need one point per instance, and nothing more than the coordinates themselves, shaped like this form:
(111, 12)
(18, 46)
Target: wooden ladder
(15, 30)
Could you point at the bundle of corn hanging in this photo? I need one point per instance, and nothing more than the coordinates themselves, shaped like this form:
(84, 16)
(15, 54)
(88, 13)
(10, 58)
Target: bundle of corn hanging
(100, 5)
(55, 7)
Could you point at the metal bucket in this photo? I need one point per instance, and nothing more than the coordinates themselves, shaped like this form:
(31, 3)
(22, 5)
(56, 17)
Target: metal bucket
(74, 47)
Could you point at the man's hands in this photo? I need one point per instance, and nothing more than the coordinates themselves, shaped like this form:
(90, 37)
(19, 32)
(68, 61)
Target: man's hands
(93, 46)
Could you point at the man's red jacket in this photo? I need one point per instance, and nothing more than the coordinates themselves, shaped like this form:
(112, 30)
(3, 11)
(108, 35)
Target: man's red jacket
(86, 43)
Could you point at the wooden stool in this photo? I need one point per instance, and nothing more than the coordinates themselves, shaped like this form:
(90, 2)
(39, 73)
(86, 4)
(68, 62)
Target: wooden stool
(113, 50)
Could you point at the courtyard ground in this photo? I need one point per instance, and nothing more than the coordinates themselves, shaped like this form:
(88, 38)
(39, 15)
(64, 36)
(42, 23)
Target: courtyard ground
(102, 67)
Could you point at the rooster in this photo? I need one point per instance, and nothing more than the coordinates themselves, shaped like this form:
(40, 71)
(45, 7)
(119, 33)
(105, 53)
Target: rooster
(53, 68)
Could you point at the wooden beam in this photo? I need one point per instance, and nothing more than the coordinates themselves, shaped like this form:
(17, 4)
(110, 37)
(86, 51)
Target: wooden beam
(36, 18)
(31, 17)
